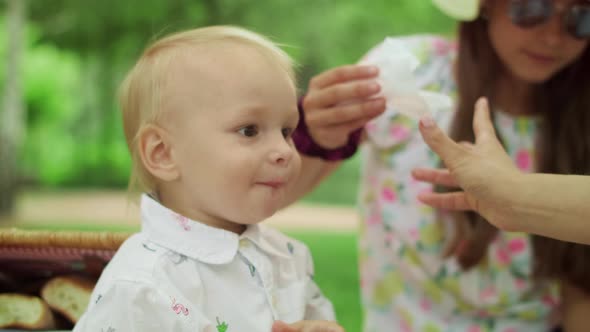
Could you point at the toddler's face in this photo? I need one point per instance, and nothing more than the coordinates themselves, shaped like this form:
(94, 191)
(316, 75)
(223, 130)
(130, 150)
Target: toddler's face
(231, 111)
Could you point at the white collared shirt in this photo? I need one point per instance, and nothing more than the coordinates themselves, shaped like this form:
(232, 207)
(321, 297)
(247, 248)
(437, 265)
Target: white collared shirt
(182, 275)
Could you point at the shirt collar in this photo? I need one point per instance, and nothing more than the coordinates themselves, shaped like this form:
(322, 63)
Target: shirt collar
(261, 237)
(188, 237)
(197, 240)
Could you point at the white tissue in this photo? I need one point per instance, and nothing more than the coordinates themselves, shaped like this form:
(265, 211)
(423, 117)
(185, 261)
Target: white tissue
(398, 84)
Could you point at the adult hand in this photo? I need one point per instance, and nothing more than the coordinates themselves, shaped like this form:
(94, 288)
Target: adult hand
(339, 101)
(307, 326)
(483, 170)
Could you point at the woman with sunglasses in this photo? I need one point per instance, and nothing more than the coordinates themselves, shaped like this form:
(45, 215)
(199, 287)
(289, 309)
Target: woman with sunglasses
(425, 269)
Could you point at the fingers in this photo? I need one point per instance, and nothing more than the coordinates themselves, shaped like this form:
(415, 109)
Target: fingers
(349, 127)
(320, 326)
(307, 326)
(342, 114)
(343, 74)
(482, 123)
(467, 145)
(435, 176)
(331, 127)
(450, 152)
(455, 201)
(279, 326)
(340, 93)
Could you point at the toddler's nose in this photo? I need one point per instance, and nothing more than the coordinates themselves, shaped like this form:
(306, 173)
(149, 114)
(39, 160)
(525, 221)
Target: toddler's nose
(282, 153)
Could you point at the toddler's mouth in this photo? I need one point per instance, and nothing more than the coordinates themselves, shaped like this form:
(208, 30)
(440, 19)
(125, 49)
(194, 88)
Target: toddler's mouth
(275, 184)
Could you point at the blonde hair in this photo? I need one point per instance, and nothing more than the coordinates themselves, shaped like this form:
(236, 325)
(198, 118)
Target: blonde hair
(140, 94)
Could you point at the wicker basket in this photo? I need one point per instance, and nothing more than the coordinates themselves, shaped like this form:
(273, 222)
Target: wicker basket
(62, 239)
(28, 259)
(27, 253)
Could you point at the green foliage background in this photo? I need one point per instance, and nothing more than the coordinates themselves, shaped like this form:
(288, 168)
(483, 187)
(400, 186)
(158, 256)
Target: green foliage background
(77, 51)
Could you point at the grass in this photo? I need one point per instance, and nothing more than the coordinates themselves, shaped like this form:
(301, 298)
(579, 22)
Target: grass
(335, 260)
(336, 271)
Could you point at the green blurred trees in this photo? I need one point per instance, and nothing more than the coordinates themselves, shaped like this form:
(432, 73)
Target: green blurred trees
(12, 115)
(78, 50)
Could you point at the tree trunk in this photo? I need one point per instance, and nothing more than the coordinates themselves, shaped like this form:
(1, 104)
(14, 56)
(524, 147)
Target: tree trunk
(12, 114)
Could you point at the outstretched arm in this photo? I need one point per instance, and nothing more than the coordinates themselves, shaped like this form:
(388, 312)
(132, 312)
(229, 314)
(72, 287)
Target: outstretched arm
(551, 205)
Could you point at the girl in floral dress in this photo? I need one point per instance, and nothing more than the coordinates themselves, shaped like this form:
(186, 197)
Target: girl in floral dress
(424, 269)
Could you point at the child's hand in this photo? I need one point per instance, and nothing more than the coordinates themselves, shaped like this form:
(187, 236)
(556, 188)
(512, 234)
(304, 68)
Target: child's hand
(307, 326)
(339, 101)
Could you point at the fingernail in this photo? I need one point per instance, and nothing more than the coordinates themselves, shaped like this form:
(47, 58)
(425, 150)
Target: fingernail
(374, 87)
(372, 70)
(378, 102)
(482, 102)
(427, 121)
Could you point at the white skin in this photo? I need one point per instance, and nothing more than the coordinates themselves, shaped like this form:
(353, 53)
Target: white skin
(511, 200)
(222, 153)
(341, 100)
(307, 326)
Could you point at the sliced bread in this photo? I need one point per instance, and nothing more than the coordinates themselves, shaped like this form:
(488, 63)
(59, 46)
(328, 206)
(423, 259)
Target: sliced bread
(68, 295)
(25, 312)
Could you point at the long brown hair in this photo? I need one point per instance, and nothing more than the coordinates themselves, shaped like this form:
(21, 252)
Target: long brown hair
(563, 146)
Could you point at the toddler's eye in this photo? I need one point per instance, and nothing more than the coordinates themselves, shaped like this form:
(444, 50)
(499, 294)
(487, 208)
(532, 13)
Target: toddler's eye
(287, 132)
(249, 131)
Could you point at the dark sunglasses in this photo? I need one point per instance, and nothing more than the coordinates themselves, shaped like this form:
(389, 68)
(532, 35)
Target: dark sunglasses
(530, 13)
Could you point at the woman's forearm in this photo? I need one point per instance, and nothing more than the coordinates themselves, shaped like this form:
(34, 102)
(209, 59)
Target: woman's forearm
(553, 205)
(313, 171)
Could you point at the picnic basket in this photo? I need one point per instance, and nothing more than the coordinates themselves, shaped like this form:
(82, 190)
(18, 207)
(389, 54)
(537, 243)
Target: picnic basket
(29, 259)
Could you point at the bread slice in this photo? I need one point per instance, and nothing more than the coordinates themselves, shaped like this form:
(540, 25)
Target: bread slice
(25, 312)
(68, 295)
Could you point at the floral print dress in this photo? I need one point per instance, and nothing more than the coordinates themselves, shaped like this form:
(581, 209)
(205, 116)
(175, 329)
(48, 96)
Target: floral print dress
(406, 283)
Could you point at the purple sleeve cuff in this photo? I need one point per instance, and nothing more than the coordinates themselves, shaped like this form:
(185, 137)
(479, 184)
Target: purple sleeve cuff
(307, 146)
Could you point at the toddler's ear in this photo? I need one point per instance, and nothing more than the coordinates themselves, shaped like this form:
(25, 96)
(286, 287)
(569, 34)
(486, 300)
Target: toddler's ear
(156, 153)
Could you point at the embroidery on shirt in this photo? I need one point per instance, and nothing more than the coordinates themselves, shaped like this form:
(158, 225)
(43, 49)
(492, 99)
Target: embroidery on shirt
(252, 269)
(290, 247)
(183, 222)
(175, 257)
(148, 248)
(221, 327)
(109, 329)
(250, 266)
(179, 308)
(98, 298)
(317, 295)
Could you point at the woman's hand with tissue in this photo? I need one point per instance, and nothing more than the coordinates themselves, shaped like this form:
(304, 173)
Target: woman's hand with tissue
(340, 101)
(399, 86)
